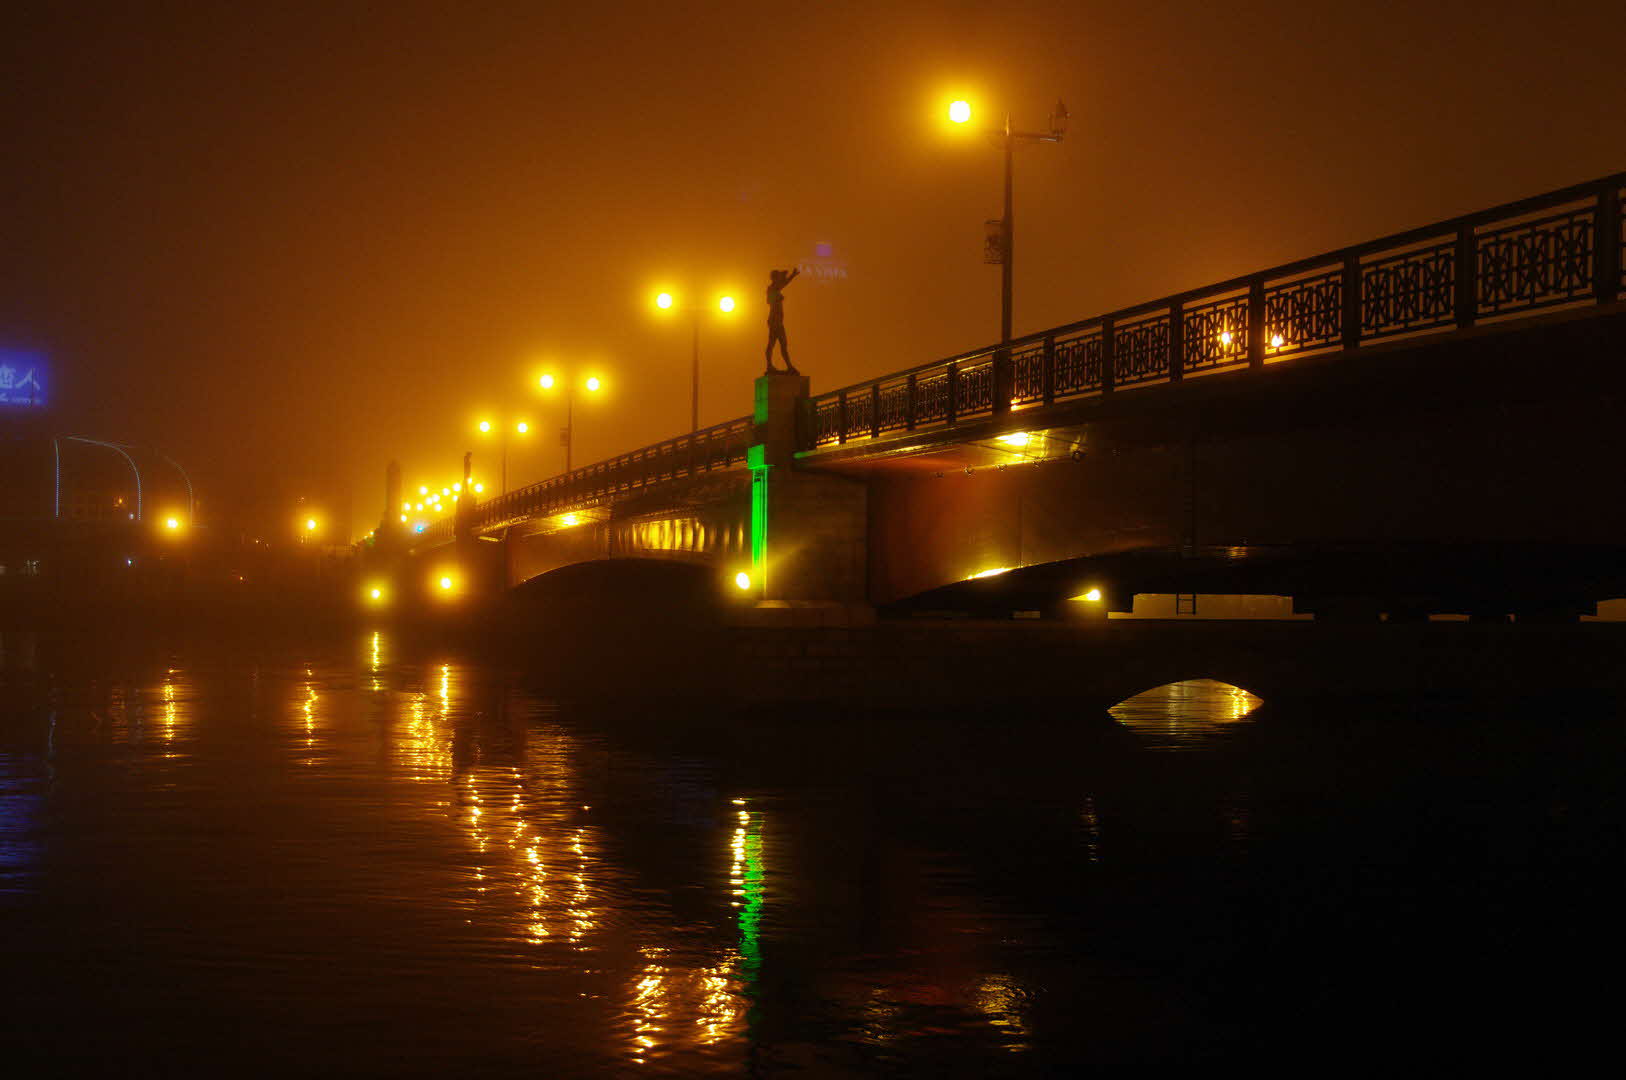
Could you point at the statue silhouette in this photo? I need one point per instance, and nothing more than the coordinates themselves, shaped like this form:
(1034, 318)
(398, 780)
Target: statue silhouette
(777, 280)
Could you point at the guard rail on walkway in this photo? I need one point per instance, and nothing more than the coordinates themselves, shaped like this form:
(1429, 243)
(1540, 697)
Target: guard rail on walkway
(1561, 248)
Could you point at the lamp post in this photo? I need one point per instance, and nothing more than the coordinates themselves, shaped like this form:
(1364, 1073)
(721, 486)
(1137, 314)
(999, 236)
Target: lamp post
(726, 305)
(520, 427)
(1006, 139)
(592, 384)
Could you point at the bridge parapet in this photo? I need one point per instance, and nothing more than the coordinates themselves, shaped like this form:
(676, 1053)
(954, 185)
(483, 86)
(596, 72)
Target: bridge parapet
(1560, 249)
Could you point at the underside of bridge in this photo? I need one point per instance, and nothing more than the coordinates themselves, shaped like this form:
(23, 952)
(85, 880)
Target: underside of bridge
(1477, 458)
(706, 522)
(1534, 582)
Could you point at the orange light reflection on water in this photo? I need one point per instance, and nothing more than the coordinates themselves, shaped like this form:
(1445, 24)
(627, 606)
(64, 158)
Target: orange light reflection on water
(1185, 715)
(538, 873)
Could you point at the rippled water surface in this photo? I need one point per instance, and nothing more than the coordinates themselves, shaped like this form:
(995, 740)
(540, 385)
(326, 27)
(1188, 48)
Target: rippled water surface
(343, 858)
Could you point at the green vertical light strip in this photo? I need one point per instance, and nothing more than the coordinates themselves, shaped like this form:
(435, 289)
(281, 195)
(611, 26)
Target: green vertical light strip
(751, 910)
(756, 457)
(752, 887)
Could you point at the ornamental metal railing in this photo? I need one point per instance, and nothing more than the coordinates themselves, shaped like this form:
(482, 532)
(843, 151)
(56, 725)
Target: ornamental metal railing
(721, 446)
(1563, 248)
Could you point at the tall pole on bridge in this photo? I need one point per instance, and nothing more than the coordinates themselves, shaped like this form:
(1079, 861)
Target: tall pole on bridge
(502, 441)
(1001, 247)
(592, 384)
(1008, 260)
(665, 302)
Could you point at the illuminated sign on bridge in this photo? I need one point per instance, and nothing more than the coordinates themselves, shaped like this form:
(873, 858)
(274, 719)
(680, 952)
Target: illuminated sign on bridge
(23, 379)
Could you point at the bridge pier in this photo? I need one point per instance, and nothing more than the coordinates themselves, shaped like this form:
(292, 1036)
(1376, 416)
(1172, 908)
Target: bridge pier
(809, 531)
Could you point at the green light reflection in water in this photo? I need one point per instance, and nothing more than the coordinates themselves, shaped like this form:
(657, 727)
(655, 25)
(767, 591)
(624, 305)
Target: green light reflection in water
(747, 880)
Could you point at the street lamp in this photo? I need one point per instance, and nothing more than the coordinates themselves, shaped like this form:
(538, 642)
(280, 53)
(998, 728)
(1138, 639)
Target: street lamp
(1001, 249)
(519, 427)
(591, 384)
(725, 305)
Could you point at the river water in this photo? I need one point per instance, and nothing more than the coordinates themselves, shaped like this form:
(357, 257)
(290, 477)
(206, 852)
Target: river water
(339, 858)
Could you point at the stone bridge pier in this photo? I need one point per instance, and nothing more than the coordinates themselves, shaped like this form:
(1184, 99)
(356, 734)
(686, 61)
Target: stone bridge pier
(808, 530)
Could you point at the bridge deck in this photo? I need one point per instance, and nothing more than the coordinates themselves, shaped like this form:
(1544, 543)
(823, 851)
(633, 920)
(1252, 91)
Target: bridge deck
(1561, 252)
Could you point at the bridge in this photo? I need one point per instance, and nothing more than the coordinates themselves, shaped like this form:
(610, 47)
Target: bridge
(1424, 423)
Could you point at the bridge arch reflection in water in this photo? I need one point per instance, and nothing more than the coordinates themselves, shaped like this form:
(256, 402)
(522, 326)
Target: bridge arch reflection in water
(1185, 715)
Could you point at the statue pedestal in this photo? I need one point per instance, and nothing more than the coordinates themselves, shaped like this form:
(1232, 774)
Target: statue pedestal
(781, 399)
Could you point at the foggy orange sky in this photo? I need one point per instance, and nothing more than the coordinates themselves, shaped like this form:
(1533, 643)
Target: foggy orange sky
(287, 244)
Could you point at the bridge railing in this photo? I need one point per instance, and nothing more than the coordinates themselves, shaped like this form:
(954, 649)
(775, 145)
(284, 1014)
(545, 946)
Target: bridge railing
(720, 446)
(1565, 247)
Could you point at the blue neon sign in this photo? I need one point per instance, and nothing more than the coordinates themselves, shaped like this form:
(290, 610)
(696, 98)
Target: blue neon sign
(23, 379)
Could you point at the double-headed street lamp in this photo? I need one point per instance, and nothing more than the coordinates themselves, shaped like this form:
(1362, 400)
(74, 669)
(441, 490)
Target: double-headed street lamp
(520, 427)
(592, 384)
(1007, 139)
(725, 305)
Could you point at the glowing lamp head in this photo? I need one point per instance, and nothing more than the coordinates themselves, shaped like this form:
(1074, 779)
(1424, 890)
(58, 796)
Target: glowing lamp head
(458, 486)
(522, 427)
(485, 426)
(726, 305)
(1225, 337)
(545, 382)
(664, 301)
(1093, 596)
(593, 383)
(742, 580)
(479, 489)
(172, 523)
(446, 584)
(423, 490)
(960, 112)
(310, 524)
(1276, 341)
